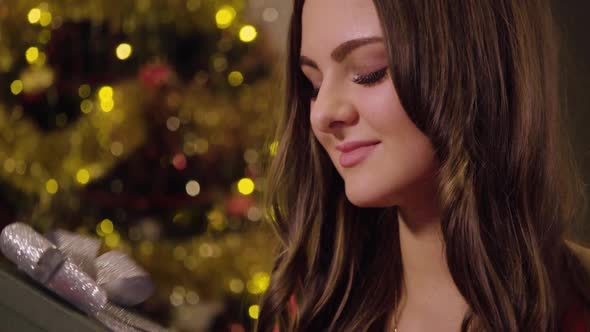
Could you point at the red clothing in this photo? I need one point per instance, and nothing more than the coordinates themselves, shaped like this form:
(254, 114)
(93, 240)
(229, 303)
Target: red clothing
(574, 320)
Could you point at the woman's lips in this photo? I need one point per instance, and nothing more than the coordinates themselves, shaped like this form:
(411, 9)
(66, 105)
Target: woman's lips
(352, 157)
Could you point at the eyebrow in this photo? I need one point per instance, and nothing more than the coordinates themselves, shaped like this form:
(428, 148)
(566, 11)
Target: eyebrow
(342, 51)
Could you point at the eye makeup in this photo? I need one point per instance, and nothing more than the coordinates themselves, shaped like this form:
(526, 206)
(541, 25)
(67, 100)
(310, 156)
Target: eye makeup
(369, 79)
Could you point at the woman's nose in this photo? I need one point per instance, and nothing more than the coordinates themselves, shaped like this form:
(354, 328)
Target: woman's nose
(332, 110)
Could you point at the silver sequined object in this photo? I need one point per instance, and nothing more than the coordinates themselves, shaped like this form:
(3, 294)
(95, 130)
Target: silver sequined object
(68, 266)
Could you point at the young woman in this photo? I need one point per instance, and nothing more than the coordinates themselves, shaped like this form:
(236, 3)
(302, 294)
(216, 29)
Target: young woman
(420, 182)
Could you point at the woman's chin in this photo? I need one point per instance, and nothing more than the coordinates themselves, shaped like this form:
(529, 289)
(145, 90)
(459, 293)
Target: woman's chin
(364, 199)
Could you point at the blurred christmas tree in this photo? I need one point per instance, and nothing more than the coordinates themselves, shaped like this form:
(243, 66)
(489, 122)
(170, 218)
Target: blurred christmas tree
(145, 123)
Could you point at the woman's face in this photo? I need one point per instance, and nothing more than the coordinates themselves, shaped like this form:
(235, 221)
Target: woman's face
(356, 114)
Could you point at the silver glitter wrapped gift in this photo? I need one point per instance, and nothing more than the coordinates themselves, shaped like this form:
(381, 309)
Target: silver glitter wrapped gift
(67, 265)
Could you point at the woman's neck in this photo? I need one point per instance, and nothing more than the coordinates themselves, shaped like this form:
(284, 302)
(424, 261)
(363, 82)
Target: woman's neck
(422, 251)
(430, 297)
(421, 239)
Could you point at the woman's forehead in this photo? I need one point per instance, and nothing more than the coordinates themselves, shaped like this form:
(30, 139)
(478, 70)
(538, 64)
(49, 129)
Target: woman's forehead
(329, 23)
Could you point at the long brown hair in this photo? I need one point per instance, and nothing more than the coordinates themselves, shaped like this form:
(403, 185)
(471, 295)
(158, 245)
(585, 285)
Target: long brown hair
(479, 78)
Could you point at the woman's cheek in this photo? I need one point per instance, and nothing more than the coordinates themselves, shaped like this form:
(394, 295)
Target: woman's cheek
(382, 108)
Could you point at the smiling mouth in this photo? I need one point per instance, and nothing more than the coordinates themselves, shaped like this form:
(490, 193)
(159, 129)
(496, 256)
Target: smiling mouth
(353, 157)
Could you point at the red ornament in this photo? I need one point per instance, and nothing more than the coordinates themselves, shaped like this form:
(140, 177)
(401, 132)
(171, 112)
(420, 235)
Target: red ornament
(179, 161)
(155, 75)
(239, 204)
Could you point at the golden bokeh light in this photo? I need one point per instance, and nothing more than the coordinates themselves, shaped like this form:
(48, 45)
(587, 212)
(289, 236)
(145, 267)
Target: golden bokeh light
(235, 78)
(107, 105)
(83, 176)
(236, 285)
(259, 283)
(52, 186)
(246, 186)
(84, 91)
(253, 311)
(124, 51)
(225, 16)
(117, 148)
(32, 54)
(248, 33)
(16, 87)
(106, 226)
(45, 19)
(86, 106)
(34, 15)
(112, 240)
(105, 92)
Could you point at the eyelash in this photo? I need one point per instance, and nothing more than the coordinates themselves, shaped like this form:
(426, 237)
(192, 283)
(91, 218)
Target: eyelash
(366, 80)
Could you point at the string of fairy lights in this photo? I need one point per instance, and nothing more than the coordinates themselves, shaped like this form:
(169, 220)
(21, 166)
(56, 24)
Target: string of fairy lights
(222, 108)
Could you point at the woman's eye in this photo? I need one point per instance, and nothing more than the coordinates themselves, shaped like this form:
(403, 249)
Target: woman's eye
(366, 80)
(372, 78)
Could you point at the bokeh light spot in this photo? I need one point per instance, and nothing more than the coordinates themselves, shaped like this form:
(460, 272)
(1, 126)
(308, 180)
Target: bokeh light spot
(176, 299)
(192, 297)
(106, 226)
(34, 15)
(270, 14)
(16, 87)
(246, 186)
(83, 176)
(84, 91)
(112, 240)
(179, 161)
(219, 63)
(253, 311)
(124, 51)
(248, 33)
(217, 220)
(235, 78)
(225, 16)
(259, 283)
(86, 106)
(117, 149)
(107, 105)
(52, 186)
(32, 54)
(45, 19)
(193, 188)
(105, 92)
(173, 123)
(236, 285)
